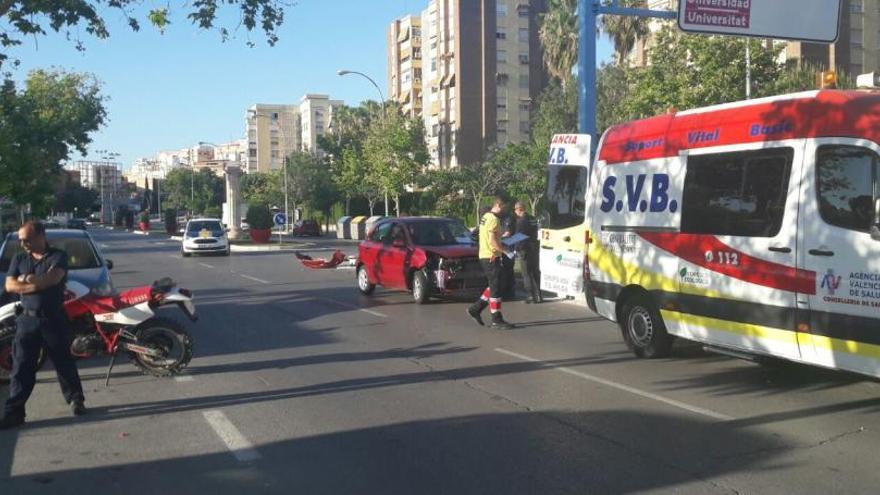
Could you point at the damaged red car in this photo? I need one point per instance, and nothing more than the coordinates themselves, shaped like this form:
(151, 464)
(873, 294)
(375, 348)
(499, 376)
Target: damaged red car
(427, 256)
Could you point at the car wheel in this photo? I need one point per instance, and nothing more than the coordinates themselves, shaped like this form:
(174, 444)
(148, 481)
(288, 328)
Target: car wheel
(420, 289)
(363, 280)
(643, 329)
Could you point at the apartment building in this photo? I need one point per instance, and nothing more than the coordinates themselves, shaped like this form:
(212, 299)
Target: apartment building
(856, 51)
(405, 64)
(315, 114)
(273, 132)
(481, 72)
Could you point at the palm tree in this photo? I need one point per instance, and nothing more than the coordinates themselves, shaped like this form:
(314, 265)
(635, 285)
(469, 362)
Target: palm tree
(625, 30)
(558, 33)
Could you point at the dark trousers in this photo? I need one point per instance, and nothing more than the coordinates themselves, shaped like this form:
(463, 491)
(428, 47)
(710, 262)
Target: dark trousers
(30, 335)
(531, 274)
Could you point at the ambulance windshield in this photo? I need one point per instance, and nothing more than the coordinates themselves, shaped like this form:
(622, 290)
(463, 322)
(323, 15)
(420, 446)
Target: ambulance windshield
(565, 196)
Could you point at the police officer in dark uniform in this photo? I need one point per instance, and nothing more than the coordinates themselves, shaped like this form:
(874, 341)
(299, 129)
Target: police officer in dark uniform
(38, 275)
(527, 253)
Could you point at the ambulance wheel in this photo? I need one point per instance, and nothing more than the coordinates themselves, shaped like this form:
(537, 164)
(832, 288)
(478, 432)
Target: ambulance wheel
(643, 329)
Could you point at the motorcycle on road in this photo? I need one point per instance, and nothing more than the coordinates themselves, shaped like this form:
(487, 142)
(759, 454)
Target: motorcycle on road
(123, 323)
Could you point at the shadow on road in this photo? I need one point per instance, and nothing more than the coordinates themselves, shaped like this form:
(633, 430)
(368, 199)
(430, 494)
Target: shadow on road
(614, 451)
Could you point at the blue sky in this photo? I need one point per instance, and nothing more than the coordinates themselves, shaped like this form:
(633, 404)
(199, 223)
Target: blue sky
(172, 90)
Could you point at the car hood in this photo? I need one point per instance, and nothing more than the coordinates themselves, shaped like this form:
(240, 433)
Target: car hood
(90, 277)
(455, 251)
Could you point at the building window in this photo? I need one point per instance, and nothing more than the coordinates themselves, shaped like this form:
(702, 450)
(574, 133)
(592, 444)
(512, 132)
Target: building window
(524, 34)
(524, 58)
(501, 9)
(502, 103)
(501, 56)
(524, 81)
(524, 127)
(416, 31)
(433, 65)
(501, 35)
(523, 10)
(856, 6)
(524, 106)
(737, 194)
(274, 154)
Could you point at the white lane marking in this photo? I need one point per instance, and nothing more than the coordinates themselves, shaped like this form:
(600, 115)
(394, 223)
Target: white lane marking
(352, 306)
(240, 447)
(625, 388)
(255, 279)
(184, 378)
(206, 265)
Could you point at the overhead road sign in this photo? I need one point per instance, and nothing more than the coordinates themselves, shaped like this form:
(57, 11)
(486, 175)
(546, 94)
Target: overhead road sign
(804, 20)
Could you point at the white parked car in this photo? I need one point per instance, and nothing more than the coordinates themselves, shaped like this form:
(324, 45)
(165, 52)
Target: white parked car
(204, 235)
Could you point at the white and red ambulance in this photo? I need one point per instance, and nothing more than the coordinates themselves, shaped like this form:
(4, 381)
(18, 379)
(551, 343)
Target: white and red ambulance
(752, 227)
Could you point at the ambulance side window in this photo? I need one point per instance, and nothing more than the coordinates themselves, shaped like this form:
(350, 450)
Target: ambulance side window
(737, 194)
(847, 182)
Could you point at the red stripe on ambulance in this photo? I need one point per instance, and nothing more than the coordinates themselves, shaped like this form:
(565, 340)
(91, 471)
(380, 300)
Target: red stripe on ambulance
(710, 253)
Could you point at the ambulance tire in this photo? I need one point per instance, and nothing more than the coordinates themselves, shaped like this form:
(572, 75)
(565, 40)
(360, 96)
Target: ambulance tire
(643, 329)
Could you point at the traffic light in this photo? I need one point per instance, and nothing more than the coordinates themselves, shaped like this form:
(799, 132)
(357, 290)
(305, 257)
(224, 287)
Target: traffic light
(827, 79)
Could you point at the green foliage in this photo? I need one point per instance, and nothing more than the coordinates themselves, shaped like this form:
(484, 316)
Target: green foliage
(558, 33)
(526, 163)
(75, 198)
(395, 152)
(556, 113)
(624, 30)
(194, 191)
(212, 212)
(74, 17)
(40, 125)
(262, 188)
(259, 217)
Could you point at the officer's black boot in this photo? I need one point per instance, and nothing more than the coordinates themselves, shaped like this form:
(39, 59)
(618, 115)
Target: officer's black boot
(499, 323)
(475, 309)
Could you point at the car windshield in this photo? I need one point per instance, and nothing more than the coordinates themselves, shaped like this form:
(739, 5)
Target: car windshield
(439, 233)
(81, 254)
(200, 225)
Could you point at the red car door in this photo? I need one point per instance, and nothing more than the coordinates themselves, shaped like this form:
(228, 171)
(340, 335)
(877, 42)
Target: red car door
(369, 250)
(393, 258)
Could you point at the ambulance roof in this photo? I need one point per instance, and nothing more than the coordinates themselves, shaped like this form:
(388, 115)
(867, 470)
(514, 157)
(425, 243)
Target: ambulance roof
(826, 113)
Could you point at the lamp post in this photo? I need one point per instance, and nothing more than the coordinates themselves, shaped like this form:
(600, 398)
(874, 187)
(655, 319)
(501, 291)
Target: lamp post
(344, 72)
(256, 114)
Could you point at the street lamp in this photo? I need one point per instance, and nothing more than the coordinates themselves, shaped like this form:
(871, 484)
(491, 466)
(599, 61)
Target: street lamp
(256, 114)
(344, 72)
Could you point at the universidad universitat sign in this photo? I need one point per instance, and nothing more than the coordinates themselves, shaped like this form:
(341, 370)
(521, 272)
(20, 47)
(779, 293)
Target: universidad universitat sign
(809, 20)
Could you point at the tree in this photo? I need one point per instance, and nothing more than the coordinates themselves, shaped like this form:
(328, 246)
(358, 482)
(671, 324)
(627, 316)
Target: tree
(75, 198)
(395, 152)
(625, 30)
(476, 182)
(528, 164)
(689, 71)
(556, 113)
(72, 17)
(558, 33)
(196, 192)
(344, 147)
(262, 188)
(39, 127)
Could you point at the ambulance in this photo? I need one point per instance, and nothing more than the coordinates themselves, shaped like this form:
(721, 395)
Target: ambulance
(751, 227)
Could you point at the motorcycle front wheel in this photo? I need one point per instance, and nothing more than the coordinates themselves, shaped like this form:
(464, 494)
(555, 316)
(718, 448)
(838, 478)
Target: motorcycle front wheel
(170, 339)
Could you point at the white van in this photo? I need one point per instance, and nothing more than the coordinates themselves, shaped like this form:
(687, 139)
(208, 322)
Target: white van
(752, 227)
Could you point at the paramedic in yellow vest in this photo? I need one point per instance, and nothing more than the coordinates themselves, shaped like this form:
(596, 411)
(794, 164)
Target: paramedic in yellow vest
(491, 254)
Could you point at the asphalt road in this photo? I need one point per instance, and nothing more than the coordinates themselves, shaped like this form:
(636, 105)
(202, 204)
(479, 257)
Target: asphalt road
(301, 385)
